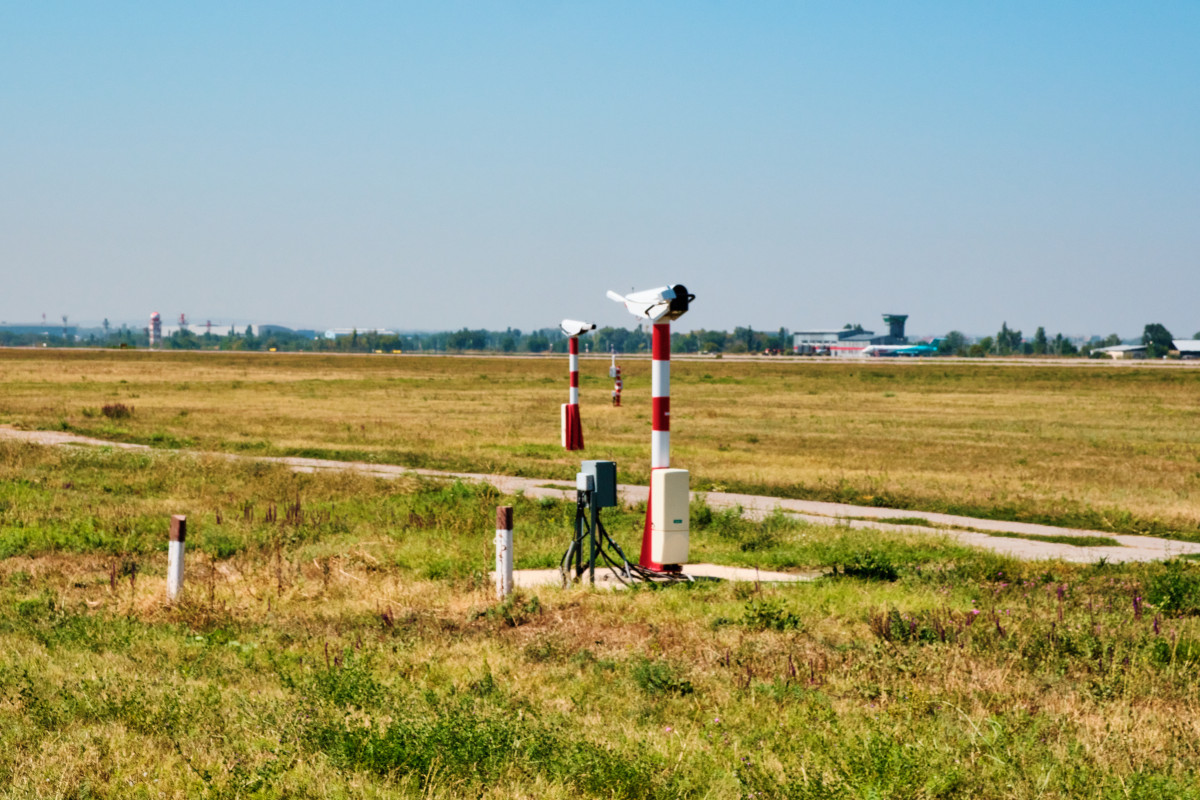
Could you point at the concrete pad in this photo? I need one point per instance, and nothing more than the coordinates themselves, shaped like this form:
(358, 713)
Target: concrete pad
(533, 578)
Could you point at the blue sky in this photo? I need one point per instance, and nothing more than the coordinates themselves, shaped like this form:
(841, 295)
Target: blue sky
(435, 165)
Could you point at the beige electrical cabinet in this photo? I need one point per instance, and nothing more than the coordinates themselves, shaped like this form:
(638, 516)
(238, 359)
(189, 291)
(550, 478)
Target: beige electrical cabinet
(669, 516)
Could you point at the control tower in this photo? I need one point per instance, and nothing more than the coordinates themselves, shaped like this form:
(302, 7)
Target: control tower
(895, 323)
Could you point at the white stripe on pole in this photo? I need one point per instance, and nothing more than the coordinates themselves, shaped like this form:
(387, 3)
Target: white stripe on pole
(574, 398)
(504, 551)
(660, 379)
(660, 449)
(175, 556)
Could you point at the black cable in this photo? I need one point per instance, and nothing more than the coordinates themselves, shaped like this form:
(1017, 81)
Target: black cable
(624, 571)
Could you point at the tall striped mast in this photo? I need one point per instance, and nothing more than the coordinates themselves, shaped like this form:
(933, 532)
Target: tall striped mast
(660, 424)
(659, 306)
(572, 425)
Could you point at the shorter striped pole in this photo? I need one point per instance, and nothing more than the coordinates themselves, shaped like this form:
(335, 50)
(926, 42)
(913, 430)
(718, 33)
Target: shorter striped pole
(614, 372)
(504, 554)
(572, 425)
(175, 556)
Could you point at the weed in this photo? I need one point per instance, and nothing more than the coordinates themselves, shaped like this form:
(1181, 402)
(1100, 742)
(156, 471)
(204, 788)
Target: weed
(770, 614)
(659, 677)
(515, 610)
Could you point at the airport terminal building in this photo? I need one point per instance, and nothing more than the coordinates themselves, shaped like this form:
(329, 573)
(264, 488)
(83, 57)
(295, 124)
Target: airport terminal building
(848, 341)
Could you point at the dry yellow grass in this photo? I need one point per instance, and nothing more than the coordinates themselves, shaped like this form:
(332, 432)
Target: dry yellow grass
(1107, 447)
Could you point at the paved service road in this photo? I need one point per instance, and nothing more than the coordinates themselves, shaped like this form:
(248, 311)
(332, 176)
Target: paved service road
(967, 530)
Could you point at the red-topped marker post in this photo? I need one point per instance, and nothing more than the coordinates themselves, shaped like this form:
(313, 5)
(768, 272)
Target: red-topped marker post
(572, 425)
(665, 536)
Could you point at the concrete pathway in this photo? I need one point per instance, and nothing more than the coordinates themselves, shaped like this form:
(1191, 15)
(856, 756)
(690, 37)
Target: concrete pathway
(967, 530)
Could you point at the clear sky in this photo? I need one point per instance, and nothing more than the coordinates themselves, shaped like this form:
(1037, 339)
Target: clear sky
(490, 164)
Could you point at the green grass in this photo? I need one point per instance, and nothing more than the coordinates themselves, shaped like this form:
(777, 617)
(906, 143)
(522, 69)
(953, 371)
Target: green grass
(1100, 447)
(354, 649)
(1074, 541)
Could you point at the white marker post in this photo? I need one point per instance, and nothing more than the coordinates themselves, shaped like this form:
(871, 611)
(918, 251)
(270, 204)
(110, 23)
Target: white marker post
(175, 556)
(504, 551)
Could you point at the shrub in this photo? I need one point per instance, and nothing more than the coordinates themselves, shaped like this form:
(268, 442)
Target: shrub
(117, 411)
(658, 677)
(1176, 587)
(870, 565)
(769, 615)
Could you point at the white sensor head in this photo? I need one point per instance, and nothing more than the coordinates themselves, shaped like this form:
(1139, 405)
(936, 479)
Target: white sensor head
(665, 302)
(573, 327)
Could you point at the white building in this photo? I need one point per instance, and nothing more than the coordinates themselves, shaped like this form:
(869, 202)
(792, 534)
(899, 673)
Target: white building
(1188, 348)
(1123, 351)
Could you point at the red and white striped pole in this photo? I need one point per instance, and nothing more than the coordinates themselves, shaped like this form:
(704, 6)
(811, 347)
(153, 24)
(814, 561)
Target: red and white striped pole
(614, 372)
(660, 424)
(660, 306)
(572, 435)
(572, 427)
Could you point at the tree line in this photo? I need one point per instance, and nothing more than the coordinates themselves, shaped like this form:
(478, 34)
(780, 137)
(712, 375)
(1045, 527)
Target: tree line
(1006, 342)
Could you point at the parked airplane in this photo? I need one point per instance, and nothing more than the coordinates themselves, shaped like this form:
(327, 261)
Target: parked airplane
(924, 349)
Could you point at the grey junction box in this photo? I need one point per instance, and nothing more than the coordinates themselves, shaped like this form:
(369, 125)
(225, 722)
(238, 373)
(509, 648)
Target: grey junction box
(604, 482)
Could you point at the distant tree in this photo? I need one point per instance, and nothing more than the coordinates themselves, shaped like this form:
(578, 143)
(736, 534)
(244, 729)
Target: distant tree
(977, 350)
(1007, 340)
(1196, 335)
(856, 327)
(466, 339)
(712, 341)
(953, 343)
(987, 343)
(537, 343)
(508, 343)
(182, 339)
(1112, 340)
(106, 327)
(1062, 346)
(1158, 340)
(1040, 345)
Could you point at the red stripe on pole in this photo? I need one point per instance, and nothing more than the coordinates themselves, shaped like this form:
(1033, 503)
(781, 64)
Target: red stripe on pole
(574, 380)
(573, 346)
(574, 428)
(660, 413)
(662, 342)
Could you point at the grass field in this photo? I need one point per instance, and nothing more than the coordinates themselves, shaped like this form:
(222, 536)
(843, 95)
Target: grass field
(339, 638)
(1107, 448)
(349, 646)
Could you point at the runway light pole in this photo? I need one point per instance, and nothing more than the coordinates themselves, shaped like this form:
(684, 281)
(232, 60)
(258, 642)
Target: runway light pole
(572, 425)
(665, 536)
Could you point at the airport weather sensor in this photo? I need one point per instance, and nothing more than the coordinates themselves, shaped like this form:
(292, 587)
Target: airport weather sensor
(591, 545)
(665, 536)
